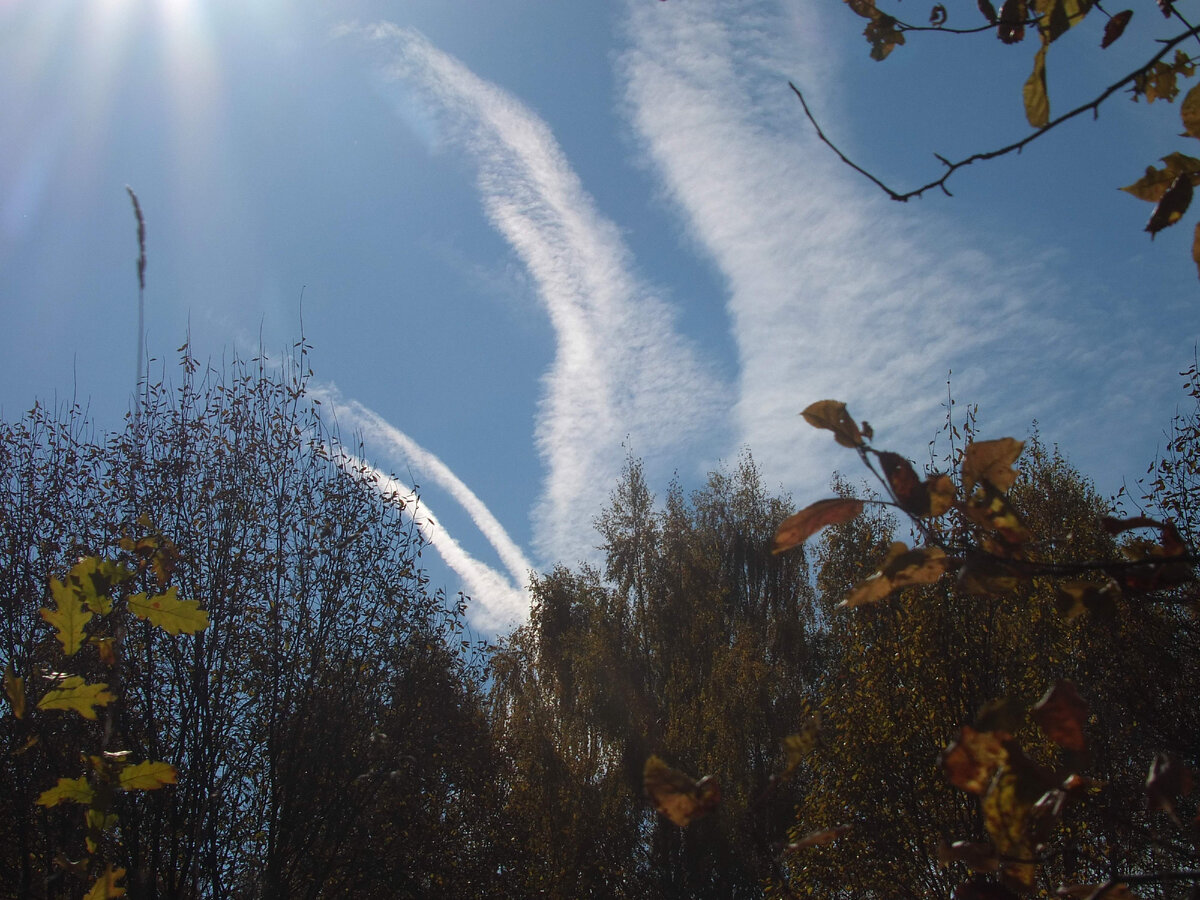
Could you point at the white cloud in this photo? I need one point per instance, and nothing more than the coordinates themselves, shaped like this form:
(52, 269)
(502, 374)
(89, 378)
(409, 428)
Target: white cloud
(497, 605)
(621, 369)
(832, 293)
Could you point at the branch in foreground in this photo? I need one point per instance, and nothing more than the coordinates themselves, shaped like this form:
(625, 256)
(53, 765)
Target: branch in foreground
(952, 167)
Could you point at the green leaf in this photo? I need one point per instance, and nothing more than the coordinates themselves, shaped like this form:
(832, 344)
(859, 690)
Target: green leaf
(68, 790)
(1037, 101)
(797, 529)
(74, 693)
(169, 613)
(14, 687)
(68, 618)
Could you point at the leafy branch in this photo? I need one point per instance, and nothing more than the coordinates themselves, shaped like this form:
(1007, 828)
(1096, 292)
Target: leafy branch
(1092, 105)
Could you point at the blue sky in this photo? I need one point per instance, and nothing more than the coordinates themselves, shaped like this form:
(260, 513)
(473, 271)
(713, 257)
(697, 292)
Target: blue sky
(535, 237)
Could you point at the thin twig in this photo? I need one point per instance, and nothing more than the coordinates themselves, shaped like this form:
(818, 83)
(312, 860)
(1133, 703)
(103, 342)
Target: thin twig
(952, 167)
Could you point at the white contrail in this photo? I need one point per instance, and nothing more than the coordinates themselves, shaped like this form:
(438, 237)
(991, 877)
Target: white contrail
(621, 369)
(370, 424)
(497, 604)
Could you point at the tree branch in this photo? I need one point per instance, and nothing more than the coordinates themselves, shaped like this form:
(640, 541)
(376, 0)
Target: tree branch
(952, 167)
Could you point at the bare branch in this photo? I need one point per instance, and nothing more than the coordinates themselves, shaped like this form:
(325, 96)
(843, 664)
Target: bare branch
(952, 167)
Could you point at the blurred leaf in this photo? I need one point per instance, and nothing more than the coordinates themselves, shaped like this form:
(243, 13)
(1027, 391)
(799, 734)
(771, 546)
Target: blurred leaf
(1037, 100)
(1169, 779)
(973, 757)
(93, 578)
(991, 461)
(14, 687)
(169, 613)
(677, 796)
(1151, 186)
(901, 567)
(106, 648)
(147, 776)
(798, 746)
(106, 885)
(1107, 890)
(1115, 27)
(981, 889)
(817, 838)
(988, 11)
(1011, 21)
(797, 529)
(68, 618)
(978, 857)
(1073, 598)
(982, 574)
(910, 493)
(1171, 543)
(831, 415)
(1006, 807)
(1172, 206)
(68, 790)
(1057, 17)
(1061, 714)
(74, 693)
(1196, 247)
(1004, 715)
(864, 8)
(991, 511)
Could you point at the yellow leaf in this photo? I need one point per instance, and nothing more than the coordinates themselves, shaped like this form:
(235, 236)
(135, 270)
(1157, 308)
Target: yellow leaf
(68, 790)
(900, 568)
(92, 578)
(1037, 101)
(74, 693)
(991, 461)
(147, 776)
(15, 688)
(1151, 186)
(798, 746)
(106, 885)
(1006, 807)
(1189, 111)
(68, 618)
(169, 613)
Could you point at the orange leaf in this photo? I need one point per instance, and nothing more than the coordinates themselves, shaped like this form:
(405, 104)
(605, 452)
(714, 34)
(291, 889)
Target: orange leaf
(795, 530)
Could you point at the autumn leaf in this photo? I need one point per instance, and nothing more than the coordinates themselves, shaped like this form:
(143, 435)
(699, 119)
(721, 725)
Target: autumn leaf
(1189, 111)
(68, 790)
(937, 16)
(1074, 598)
(106, 885)
(1196, 247)
(93, 579)
(1061, 714)
(1115, 27)
(817, 838)
(1006, 807)
(169, 613)
(798, 746)
(981, 889)
(1169, 779)
(901, 567)
(677, 796)
(987, 10)
(1108, 890)
(147, 776)
(831, 415)
(910, 493)
(883, 35)
(795, 530)
(1012, 21)
(1037, 100)
(991, 511)
(14, 687)
(977, 856)
(1172, 206)
(74, 693)
(68, 618)
(983, 574)
(1171, 543)
(991, 461)
(973, 757)
(1151, 186)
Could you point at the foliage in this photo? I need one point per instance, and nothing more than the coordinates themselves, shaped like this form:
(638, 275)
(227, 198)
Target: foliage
(326, 726)
(1169, 188)
(974, 649)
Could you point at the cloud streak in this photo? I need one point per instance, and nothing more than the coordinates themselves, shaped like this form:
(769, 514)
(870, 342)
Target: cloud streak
(831, 293)
(621, 368)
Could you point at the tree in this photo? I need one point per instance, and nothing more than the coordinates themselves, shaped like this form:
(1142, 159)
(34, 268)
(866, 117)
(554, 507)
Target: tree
(1026, 608)
(1170, 188)
(327, 728)
(696, 644)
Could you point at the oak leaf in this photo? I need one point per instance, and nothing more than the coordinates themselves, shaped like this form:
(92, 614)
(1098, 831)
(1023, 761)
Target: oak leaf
(169, 613)
(147, 776)
(106, 885)
(74, 693)
(14, 687)
(68, 618)
(68, 790)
